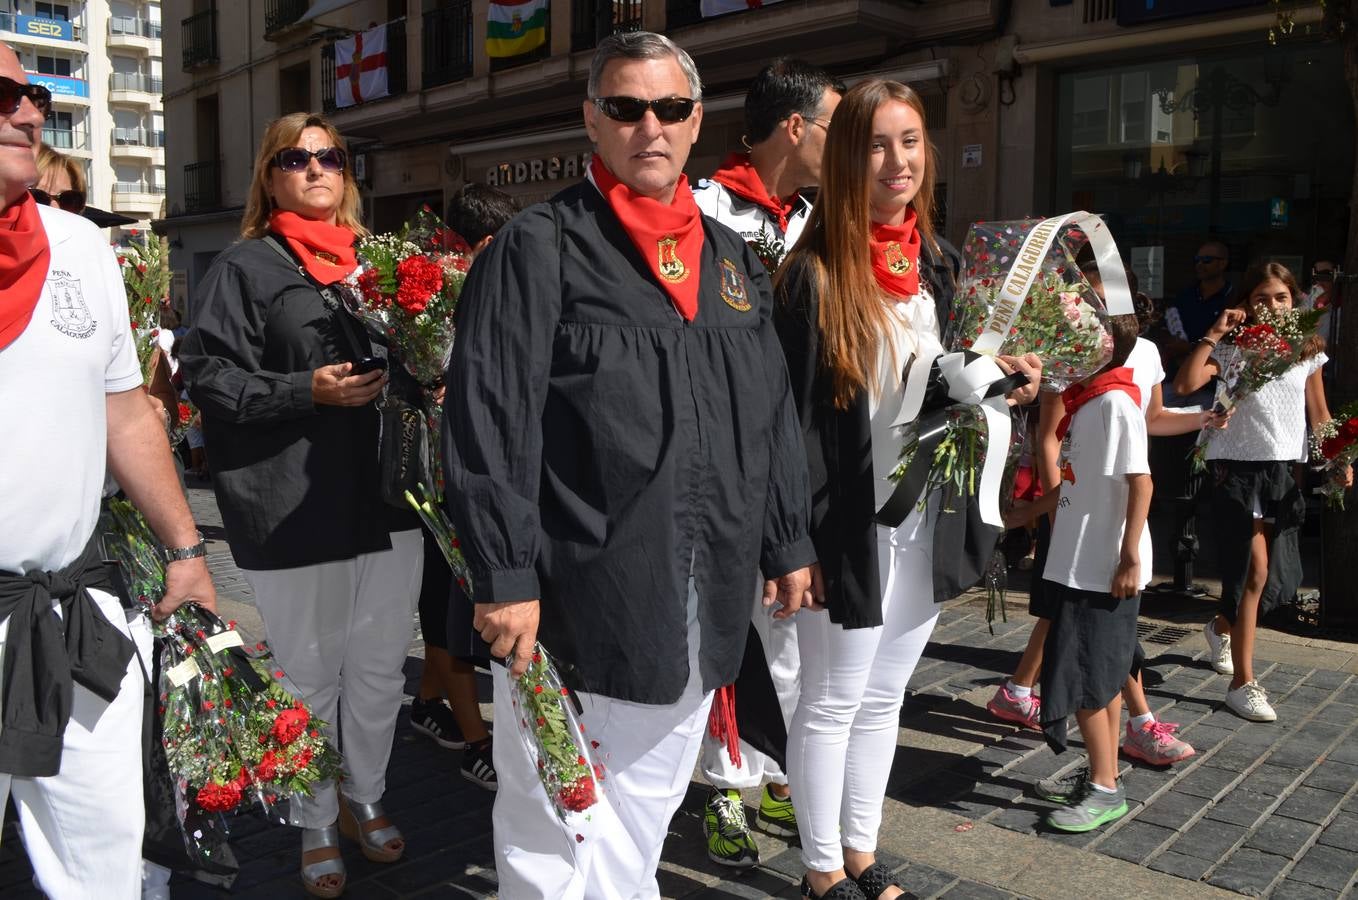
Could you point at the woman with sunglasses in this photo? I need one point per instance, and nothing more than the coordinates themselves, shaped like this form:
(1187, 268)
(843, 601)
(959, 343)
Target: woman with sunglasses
(866, 287)
(293, 431)
(61, 181)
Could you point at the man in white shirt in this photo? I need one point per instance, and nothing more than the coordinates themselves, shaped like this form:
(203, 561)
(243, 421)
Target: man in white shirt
(70, 382)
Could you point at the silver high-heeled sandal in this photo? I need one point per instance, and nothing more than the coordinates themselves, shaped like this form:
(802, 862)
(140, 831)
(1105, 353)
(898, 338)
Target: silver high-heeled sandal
(352, 819)
(312, 873)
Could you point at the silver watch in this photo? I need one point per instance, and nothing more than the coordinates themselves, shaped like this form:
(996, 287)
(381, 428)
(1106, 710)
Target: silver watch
(191, 552)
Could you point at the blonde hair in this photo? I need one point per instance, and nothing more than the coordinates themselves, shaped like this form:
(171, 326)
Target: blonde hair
(281, 133)
(852, 317)
(49, 159)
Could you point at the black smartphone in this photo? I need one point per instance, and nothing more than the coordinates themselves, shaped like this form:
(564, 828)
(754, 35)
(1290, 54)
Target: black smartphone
(368, 364)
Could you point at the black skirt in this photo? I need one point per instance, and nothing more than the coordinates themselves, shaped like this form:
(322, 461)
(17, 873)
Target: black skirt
(1238, 489)
(1090, 650)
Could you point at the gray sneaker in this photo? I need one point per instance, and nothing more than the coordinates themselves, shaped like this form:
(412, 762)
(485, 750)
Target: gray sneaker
(1063, 788)
(1089, 809)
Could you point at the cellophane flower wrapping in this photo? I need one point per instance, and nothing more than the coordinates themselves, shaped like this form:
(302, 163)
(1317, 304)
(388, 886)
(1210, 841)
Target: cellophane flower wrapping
(569, 764)
(1251, 356)
(1334, 447)
(235, 734)
(1063, 320)
(146, 279)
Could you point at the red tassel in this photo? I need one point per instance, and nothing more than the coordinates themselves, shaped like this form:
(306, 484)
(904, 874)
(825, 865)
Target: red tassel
(721, 721)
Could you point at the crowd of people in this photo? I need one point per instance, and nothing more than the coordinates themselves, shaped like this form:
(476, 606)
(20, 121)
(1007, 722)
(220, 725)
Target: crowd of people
(671, 418)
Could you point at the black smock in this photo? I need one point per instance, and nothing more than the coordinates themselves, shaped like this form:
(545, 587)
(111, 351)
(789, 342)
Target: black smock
(297, 483)
(600, 449)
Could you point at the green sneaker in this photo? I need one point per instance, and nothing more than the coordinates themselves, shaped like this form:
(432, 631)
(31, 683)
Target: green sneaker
(729, 841)
(1090, 809)
(1063, 788)
(777, 816)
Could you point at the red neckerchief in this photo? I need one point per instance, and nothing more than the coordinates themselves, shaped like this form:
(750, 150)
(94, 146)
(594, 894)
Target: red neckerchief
(739, 177)
(669, 236)
(1077, 395)
(24, 258)
(326, 251)
(895, 256)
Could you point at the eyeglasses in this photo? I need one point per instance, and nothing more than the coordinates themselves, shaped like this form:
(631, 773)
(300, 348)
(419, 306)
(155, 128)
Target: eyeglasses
(12, 94)
(1207, 259)
(71, 201)
(1322, 274)
(825, 124)
(296, 159)
(631, 109)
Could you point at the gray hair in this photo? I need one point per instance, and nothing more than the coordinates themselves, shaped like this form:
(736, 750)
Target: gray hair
(641, 45)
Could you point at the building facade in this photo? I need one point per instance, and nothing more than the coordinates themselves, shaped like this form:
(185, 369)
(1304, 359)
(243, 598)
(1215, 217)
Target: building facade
(102, 61)
(1175, 119)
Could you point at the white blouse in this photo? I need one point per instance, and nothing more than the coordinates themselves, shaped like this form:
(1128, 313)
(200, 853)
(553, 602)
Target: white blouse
(1269, 424)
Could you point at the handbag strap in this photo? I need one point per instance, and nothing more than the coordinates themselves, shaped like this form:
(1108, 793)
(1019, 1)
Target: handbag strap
(332, 302)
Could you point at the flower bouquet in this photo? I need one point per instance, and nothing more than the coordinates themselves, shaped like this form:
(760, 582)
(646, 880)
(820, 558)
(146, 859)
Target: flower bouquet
(1334, 447)
(146, 279)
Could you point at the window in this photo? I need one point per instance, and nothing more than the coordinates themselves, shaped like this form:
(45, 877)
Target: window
(59, 11)
(58, 132)
(1089, 125)
(54, 65)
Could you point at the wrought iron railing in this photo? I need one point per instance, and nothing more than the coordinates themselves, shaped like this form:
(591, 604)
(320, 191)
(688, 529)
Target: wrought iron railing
(200, 39)
(447, 44)
(203, 186)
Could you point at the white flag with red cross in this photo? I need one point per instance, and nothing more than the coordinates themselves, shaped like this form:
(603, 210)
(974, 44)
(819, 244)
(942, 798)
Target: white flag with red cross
(361, 67)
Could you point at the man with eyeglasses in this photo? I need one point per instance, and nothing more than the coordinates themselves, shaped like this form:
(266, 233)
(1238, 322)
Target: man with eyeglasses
(1198, 305)
(763, 195)
(620, 442)
(71, 689)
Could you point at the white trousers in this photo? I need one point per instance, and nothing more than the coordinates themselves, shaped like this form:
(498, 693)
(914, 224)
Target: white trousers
(779, 637)
(341, 631)
(648, 751)
(83, 827)
(843, 735)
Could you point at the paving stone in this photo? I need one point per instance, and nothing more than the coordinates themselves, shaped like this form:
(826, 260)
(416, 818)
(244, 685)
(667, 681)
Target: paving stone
(1141, 783)
(1287, 889)
(1240, 808)
(1329, 680)
(1248, 871)
(924, 881)
(1341, 833)
(1172, 810)
(749, 885)
(1205, 781)
(970, 890)
(1346, 753)
(1281, 835)
(1333, 776)
(1136, 840)
(1335, 714)
(1024, 818)
(1180, 864)
(1309, 804)
(1269, 779)
(984, 798)
(1327, 867)
(1209, 839)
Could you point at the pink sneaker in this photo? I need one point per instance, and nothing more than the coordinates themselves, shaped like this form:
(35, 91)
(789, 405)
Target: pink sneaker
(1155, 743)
(1023, 711)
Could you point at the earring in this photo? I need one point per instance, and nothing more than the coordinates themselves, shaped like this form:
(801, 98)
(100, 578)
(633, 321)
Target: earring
(745, 142)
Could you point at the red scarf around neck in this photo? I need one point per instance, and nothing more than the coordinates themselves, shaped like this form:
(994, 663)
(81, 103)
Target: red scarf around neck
(668, 236)
(895, 256)
(24, 258)
(326, 251)
(1077, 395)
(738, 175)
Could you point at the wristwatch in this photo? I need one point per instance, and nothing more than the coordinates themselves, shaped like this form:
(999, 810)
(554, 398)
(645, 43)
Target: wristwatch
(191, 552)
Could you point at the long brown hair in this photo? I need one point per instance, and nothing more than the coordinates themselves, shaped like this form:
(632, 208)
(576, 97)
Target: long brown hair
(853, 320)
(285, 132)
(1257, 275)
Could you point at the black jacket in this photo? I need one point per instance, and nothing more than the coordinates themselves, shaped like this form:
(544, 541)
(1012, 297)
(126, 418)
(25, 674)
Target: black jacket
(297, 483)
(599, 448)
(839, 453)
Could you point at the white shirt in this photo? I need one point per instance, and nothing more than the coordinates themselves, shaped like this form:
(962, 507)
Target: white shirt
(1105, 444)
(1269, 424)
(53, 380)
(1147, 370)
(749, 219)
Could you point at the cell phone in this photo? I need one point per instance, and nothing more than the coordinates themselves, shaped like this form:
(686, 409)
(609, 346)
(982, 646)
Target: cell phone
(368, 364)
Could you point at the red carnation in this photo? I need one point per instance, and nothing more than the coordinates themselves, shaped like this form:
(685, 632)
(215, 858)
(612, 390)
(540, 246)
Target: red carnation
(301, 759)
(267, 770)
(577, 796)
(184, 413)
(219, 797)
(418, 280)
(289, 725)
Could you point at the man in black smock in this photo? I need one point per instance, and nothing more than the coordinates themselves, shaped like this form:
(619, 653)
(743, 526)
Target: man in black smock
(620, 439)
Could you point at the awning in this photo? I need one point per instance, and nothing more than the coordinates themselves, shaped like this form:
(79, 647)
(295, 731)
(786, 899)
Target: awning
(324, 7)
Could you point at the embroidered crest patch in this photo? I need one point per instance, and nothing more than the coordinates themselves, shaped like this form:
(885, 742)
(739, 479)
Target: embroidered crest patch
(733, 287)
(896, 260)
(672, 268)
(70, 313)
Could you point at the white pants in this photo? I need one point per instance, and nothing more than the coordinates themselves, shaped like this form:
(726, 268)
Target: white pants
(779, 637)
(83, 827)
(648, 752)
(843, 735)
(341, 631)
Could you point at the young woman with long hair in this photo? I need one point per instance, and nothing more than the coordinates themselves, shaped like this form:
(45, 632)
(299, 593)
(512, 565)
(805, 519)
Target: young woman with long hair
(867, 286)
(1257, 498)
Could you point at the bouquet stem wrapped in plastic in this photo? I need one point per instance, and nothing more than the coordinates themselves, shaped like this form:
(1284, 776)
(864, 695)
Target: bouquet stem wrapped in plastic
(1334, 447)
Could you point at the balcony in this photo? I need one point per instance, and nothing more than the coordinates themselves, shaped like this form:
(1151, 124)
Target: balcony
(41, 27)
(447, 44)
(200, 39)
(134, 87)
(280, 15)
(203, 186)
(133, 33)
(66, 139)
(594, 20)
(138, 143)
(396, 68)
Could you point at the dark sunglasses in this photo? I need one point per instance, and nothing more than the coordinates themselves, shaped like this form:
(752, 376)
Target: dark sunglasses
(295, 159)
(12, 94)
(631, 109)
(1322, 274)
(1207, 259)
(71, 201)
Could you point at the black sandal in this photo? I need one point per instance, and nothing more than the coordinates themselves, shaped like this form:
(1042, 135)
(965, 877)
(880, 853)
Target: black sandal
(875, 879)
(845, 889)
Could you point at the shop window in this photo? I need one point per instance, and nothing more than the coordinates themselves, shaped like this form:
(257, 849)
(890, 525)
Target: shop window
(1089, 127)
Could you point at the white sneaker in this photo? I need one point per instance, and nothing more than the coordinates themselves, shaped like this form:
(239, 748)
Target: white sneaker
(1218, 649)
(1250, 701)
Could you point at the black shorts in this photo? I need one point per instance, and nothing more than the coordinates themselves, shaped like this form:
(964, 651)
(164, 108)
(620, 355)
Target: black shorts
(434, 594)
(1243, 492)
(1041, 602)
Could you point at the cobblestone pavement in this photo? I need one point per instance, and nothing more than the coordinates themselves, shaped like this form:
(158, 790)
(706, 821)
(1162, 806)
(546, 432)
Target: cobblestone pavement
(1265, 810)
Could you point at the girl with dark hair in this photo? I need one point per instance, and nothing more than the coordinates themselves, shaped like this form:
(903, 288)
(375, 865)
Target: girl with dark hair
(868, 284)
(1257, 498)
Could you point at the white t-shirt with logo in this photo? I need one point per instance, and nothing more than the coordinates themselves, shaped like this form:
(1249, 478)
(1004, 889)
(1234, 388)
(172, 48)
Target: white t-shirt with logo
(1147, 369)
(77, 348)
(1106, 443)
